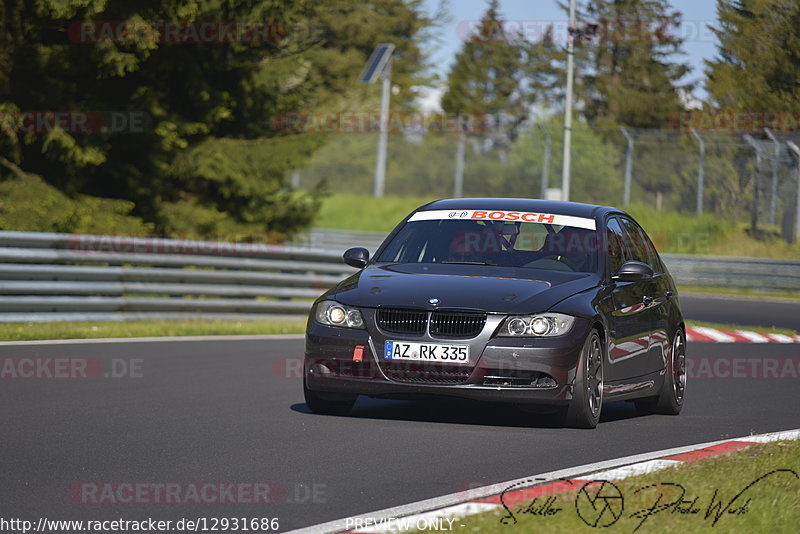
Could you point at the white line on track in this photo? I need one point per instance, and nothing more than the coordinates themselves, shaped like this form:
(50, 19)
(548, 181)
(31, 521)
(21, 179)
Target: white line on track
(434, 508)
(152, 339)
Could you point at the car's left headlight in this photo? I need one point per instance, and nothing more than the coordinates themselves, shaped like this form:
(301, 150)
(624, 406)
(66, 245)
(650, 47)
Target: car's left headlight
(540, 325)
(331, 313)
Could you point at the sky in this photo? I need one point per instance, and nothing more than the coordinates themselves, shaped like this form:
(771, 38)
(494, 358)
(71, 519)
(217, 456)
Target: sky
(534, 15)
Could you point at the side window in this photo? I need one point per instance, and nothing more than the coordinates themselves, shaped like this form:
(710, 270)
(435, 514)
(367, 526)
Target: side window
(651, 253)
(642, 247)
(616, 248)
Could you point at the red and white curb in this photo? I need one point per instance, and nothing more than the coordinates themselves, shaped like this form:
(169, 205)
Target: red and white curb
(712, 335)
(443, 512)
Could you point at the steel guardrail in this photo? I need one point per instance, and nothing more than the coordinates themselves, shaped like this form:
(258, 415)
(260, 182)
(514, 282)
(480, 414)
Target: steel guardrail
(51, 276)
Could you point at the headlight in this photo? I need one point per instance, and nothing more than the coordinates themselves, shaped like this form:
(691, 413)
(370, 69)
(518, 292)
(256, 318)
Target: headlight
(334, 314)
(544, 325)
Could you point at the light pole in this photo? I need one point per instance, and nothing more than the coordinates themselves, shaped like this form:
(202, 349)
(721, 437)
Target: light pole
(626, 199)
(383, 137)
(380, 64)
(565, 169)
(700, 175)
(458, 181)
(546, 164)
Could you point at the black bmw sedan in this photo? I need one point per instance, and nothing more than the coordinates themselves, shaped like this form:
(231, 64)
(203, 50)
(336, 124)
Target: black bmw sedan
(558, 304)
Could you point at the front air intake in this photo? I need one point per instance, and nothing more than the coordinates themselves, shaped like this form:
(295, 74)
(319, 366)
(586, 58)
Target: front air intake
(457, 324)
(402, 321)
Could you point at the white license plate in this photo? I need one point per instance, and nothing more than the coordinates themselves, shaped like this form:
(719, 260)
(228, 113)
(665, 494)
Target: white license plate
(426, 352)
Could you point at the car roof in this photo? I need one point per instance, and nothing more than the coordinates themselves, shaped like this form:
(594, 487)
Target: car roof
(575, 209)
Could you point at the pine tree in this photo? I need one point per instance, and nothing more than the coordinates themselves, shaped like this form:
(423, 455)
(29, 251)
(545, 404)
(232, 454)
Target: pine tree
(209, 149)
(758, 66)
(631, 78)
(489, 77)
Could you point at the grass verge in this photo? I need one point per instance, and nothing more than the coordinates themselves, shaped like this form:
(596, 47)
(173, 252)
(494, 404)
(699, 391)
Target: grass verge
(740, 292)
(671, 232)
(699, 497)
(88, 330)
(365, 213)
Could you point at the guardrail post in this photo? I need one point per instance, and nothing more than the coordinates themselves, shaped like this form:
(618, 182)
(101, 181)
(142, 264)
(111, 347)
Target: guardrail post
(756, 182)
(796, 151)
(773, 198)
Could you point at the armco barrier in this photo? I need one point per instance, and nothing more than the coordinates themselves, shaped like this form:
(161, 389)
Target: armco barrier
(47, 276)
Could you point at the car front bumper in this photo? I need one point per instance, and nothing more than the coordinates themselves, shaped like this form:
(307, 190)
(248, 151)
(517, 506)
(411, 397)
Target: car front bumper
(502, 369)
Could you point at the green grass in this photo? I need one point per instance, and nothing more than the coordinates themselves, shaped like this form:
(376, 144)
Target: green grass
(681, 233)
(740, 292)
(773, 504)
(86, 330)
(670, 231)
(365, 213)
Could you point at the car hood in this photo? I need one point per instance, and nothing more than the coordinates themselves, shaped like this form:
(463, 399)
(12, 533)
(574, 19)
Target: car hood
(479, 287)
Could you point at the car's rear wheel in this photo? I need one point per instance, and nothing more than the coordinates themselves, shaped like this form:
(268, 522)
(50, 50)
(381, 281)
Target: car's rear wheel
(587, 397)
(670, 399)
(328, 403)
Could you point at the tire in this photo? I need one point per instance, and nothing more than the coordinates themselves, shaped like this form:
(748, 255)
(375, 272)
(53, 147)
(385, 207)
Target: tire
(670, 399)
(328, 403)
(587, 394)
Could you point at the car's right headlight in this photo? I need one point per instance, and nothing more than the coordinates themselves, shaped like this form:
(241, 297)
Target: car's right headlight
(331, 313)
(542, 325)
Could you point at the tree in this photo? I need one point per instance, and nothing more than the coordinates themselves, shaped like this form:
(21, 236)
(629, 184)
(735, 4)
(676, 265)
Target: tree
(595, 173)
(208, 156)
(489, 77)
(631, 78)
(758, 63)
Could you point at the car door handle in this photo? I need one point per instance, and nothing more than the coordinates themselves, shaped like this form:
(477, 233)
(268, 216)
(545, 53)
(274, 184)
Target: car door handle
(668, 294)
(647, 300)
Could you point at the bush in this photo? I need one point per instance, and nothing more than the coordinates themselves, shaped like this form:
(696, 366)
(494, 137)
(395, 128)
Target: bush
(27, 203)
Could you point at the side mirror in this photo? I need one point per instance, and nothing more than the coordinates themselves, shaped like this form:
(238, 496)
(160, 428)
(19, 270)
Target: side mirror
(633, 271)
(356, 257)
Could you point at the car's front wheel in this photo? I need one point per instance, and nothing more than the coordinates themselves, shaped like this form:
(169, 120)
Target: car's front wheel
(328, 403)
(670, 399)
(587, 393)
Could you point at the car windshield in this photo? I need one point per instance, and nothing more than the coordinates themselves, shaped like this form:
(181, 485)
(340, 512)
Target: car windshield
(496, 243)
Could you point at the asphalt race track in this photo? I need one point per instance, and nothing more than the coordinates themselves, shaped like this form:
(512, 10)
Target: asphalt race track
(750, 311)
(233, 412)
